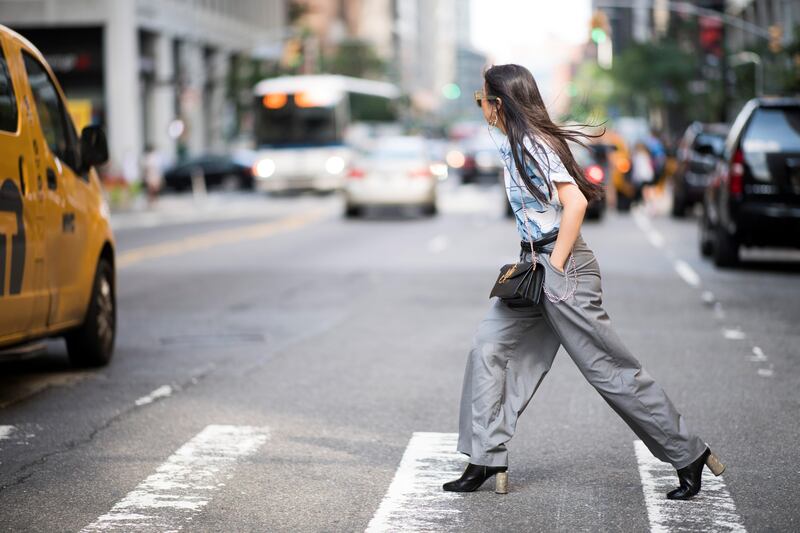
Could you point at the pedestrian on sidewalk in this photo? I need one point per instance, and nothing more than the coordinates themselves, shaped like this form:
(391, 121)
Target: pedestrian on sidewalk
(643, 173)
(515, 344)
(153, 174)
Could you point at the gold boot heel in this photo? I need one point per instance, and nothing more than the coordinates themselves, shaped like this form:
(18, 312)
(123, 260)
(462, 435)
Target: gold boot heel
(501, 483)
(715, 464)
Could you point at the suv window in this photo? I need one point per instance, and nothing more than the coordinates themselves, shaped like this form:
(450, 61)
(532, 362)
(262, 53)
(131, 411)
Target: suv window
(8, 102)
(717, 142)
(56, 127)
(771, 130)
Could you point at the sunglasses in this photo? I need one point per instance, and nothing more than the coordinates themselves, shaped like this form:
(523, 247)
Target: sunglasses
(480, 95)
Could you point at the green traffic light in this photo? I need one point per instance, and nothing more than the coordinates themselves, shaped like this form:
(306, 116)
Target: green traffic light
(451, 91)
(598, 35)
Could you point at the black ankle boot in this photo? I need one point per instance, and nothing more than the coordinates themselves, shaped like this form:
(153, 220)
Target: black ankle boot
(691, 475)
(474, 476)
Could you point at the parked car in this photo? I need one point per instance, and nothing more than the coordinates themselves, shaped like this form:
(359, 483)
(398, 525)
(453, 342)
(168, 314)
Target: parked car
(698, 151)
(219, 170)
(753, 198)
(56, 243)
(394, 171)
(482, 161)
(594, 162)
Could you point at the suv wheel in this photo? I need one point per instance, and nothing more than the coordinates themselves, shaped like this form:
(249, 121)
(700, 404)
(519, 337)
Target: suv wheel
(352, 211)
(678, 205)
(706, 243)
(726, 248)
(92, 343)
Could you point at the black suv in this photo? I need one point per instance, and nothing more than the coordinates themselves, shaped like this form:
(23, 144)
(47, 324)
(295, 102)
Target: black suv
(700, 148)
(753, 198)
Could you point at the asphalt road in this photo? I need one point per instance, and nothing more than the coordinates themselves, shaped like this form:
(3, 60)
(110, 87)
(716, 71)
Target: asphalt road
(280, 368)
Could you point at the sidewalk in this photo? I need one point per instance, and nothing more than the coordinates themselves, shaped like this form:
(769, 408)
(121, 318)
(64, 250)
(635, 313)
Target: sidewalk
(173, 209)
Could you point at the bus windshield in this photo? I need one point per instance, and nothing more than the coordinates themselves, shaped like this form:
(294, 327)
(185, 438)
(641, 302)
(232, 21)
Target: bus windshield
(290, 125)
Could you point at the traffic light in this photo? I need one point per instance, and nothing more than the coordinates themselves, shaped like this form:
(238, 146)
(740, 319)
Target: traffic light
(775, 38)
(711, 35)
(451, 91)
(600, 29)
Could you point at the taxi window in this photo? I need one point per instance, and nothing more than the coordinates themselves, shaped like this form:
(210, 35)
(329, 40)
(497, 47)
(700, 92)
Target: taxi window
(56, 129)
(8, 102)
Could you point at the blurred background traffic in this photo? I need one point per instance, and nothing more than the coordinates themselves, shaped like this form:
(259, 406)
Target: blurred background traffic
(292, 95)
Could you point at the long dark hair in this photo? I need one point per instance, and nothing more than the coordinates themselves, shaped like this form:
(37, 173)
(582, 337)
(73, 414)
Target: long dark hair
(524, 114)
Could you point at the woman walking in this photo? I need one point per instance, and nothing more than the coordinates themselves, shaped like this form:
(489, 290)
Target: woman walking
(515, 345)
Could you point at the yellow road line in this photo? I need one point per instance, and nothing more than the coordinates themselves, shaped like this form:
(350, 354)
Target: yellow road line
(215, 238)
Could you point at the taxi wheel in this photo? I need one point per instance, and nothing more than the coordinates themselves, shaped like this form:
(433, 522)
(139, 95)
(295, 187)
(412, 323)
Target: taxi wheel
(92, 343)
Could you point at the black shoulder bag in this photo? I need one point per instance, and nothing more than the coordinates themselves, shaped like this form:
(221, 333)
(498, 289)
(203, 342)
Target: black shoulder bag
(520, 283)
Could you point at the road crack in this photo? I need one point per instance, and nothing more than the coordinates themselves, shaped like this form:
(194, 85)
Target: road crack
(27, 470)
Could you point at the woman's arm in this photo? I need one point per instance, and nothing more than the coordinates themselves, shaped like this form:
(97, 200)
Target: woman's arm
(574, 203)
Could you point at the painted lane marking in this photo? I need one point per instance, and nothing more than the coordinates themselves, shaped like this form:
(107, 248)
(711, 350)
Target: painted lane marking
(655, 238)
(758, 355)
(712, 510)
(168, 499)
(6, 431)
(690, 276)
(215, 238)
(161, 392)
(415, 500)
(438, 244)
(5, 434)
(687, 273)
(733, 334)
(766, 372)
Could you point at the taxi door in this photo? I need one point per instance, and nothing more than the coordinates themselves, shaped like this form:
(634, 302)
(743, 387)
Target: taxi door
(66, 198)
(24, 298)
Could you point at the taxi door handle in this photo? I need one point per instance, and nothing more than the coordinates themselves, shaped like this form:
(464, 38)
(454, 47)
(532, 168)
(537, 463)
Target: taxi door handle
(52, 184)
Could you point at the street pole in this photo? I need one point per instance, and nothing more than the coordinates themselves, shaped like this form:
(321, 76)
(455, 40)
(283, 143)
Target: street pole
(719, 7)
(745, 57)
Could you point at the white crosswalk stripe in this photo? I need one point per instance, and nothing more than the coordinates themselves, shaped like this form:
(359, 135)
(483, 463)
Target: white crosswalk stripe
(712, 510)
(415, 500)
(169, 499)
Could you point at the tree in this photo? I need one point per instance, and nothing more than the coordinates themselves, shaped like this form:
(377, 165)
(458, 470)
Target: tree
(354, 57)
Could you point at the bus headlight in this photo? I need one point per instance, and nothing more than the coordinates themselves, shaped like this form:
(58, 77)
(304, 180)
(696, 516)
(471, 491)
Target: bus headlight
(264, 168)
(334, 165)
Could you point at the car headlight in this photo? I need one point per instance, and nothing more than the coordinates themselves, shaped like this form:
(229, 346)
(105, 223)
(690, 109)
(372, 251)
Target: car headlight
(439, 170)
(264, 168)
(334, 164)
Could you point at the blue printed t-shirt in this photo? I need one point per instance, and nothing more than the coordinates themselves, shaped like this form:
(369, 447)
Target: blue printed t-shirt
(543, 218)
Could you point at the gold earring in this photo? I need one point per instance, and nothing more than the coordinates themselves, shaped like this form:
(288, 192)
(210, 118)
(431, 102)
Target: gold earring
(493, 121)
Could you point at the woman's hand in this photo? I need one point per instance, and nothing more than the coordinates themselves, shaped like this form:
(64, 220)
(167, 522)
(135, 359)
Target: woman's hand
(558, 268)
(574, 203)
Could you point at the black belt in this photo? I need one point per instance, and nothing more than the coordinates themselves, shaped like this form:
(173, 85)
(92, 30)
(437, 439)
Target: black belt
(540, 244)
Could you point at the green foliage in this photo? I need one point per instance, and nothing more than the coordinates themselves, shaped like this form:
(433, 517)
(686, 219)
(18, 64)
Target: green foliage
(354, 57)
(653, 75)
(645, 78)
(591, 90)
(789, 59)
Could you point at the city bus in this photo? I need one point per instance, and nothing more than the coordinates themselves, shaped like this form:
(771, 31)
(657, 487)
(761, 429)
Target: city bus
(307, 127)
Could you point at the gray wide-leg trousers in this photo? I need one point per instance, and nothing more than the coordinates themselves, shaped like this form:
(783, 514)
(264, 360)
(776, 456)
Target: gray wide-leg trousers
(515, 347)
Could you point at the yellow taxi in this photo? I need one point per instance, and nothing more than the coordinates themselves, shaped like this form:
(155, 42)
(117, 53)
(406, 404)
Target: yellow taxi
(57, 274)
